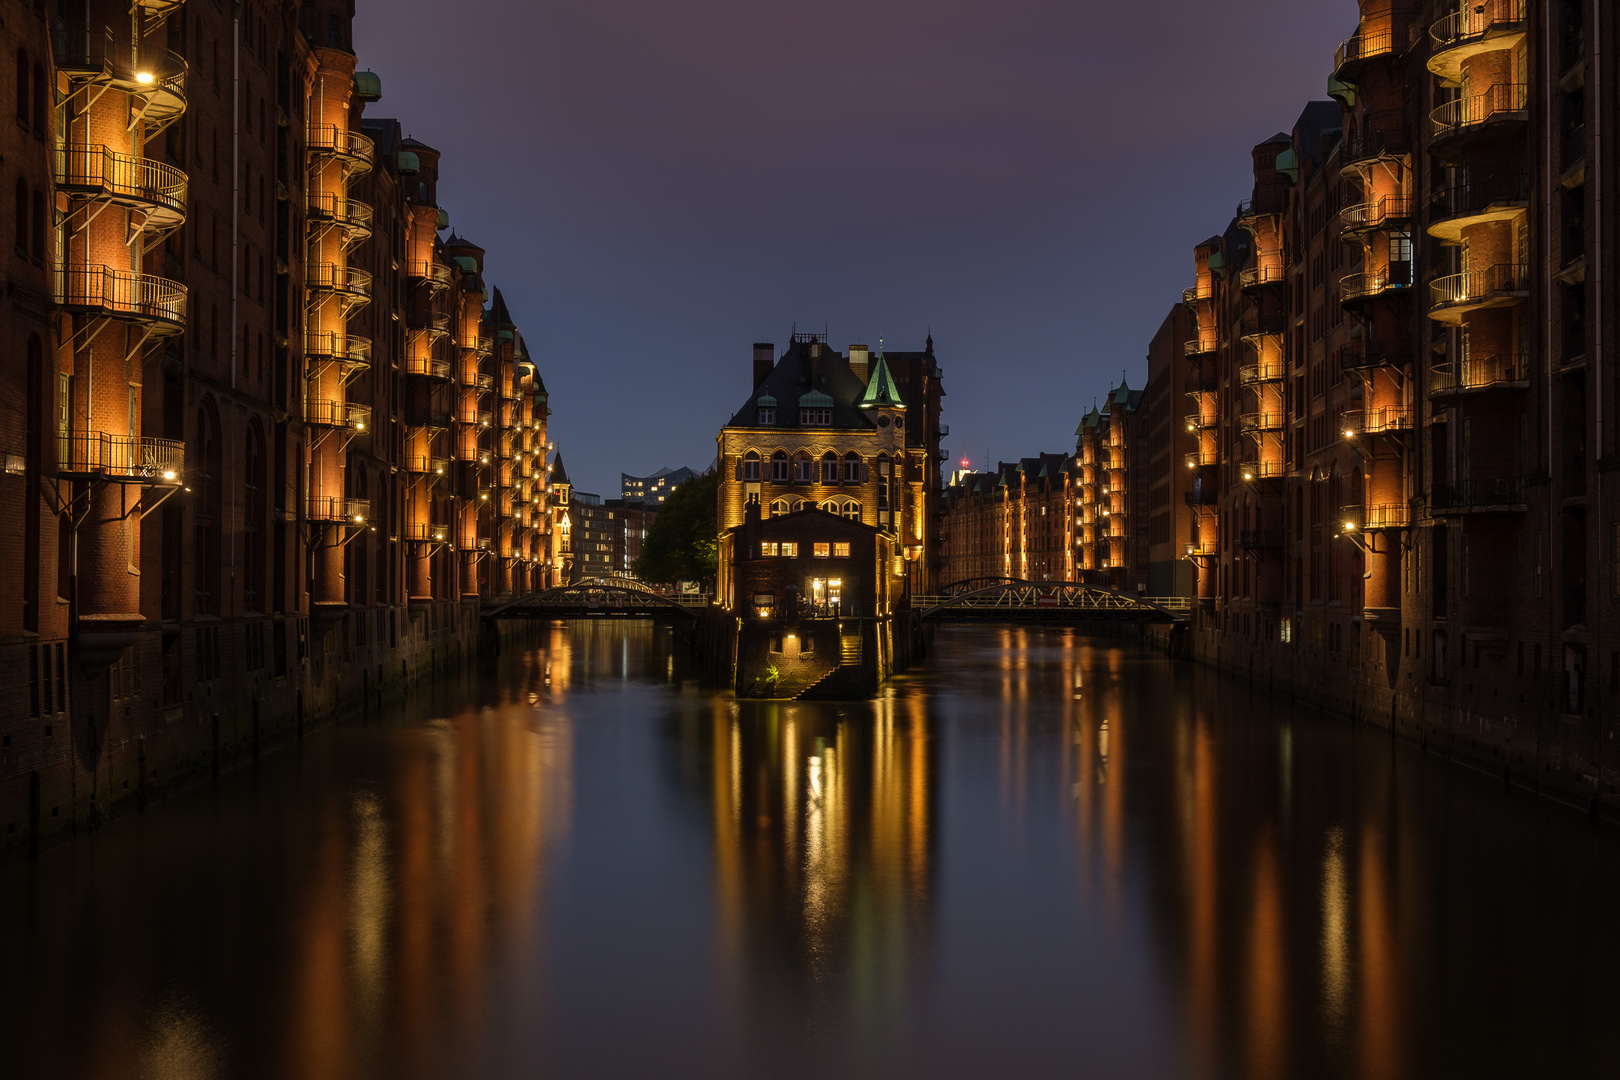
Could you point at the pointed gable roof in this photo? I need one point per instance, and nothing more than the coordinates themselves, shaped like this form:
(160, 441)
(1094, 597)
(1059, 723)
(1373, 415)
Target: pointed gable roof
(881, 389)
(559, 475)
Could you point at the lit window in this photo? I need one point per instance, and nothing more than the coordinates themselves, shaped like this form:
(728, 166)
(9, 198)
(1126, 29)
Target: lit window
(840, 551)
(823, 551)
(790, 551)
(766, 551)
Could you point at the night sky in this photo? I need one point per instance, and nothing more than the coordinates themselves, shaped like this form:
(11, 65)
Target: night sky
(661, 184)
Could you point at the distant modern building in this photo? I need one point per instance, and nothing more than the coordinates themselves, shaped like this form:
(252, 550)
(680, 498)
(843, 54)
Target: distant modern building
(653, 490)
(632, 520)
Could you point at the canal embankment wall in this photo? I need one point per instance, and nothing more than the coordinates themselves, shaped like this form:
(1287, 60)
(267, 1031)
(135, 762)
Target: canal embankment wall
(1500, 715)
(126, 741)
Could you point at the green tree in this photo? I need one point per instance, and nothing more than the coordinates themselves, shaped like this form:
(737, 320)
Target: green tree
(684, 541)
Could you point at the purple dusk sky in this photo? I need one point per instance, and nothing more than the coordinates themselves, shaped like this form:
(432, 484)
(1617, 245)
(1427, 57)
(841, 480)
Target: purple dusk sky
(661, 184)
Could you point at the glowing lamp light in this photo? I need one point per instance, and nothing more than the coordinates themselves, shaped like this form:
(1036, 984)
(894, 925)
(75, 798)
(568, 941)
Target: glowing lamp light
(144, 78)
(169, 475)
(1349, 434)
(1248, 476)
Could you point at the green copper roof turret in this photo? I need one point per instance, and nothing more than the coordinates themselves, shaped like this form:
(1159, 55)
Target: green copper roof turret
(881, 389)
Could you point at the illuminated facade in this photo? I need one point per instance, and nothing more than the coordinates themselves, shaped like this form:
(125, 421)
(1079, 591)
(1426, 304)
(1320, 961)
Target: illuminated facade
(1020, 521)
(853, 434)
(273, 445)
(1400, 392)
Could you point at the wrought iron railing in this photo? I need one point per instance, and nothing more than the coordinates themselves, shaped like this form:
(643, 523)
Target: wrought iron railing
(121, 175)
(329, 139)
(1476, 109)
(121, 293)
(128, 457)
(1474, 20)
(1475, 286)
(1480, 372)
(339, 508)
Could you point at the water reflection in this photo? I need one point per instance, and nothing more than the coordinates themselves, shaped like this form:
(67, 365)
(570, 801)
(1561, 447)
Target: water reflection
(823, 846)
(1041, 855)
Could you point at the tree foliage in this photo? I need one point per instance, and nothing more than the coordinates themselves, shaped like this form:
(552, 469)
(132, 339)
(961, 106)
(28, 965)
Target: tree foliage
(684, 541)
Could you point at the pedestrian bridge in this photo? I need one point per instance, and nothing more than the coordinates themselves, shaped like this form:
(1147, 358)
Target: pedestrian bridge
(619, 598)
(1050, 601)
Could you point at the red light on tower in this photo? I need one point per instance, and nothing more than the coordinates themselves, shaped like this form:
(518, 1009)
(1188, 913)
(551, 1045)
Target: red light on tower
(965, 463)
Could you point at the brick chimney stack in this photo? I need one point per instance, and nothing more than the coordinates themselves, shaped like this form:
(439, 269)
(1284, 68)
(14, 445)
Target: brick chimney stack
(764, 360)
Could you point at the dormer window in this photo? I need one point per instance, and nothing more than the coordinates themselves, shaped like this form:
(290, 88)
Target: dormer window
(815, 417)
(767, 415)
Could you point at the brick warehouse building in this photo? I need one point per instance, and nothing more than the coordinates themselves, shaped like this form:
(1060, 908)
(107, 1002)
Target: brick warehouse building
(1056, 517)
(1402, 417)
(269, 442)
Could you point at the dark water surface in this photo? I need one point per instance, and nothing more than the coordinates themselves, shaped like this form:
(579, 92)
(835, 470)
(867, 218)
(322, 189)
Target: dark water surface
(1041, 855)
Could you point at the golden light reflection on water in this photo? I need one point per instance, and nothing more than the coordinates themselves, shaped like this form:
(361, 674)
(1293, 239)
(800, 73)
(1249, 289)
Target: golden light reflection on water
(822, 817)
(432, 880)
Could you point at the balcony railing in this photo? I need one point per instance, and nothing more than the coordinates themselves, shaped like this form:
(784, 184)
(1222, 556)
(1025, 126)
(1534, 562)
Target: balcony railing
(1510, 370)
(1262, 470)
(1383, 420)
(1379, 134)
(1196, 422)
(427, 532)
(1377, 517)
(352, 148)
(120, 294)
(1196, 347)
(339, 508)
(1257, 422)
(124, 178)
(1363, 46)
(435, 274)
(157, 78)
(1503, 99)
(1199, 458)
(427, 464)
(1505, 492)
(120, 457)
(1493, 286)
(1268, 372)
(1362, 354)
(1263, 324)
(1491, 199)
(347, 281)
(337, 345)
(1255, 276)
(427, 416)
(427, 367)
(1367, 285)
(338, 414)
(352, 215)
(1473, 23)
(1367, 216)
(1196, 293)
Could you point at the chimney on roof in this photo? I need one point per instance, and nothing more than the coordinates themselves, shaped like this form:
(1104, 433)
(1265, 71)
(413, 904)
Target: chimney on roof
(860, 361)
(764, 360)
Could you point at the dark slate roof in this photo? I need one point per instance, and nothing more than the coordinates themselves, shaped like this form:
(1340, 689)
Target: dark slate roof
(559, 475)
(1319, 118)
(502, 317)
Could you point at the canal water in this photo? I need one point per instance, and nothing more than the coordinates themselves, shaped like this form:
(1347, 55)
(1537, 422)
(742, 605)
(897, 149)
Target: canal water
(1040, 855)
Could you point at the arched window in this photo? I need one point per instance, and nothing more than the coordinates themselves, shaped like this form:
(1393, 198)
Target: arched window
(39, 226)
(41, 102)
(829, 468)
(23, 68)
(803, 467)
(21, 241)
(852, 510)
(205, 519)
(751, 466)
(798, 504)
(779, 467)
(779, 508)
(852, 468)
(256, 490)
(831, 506)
